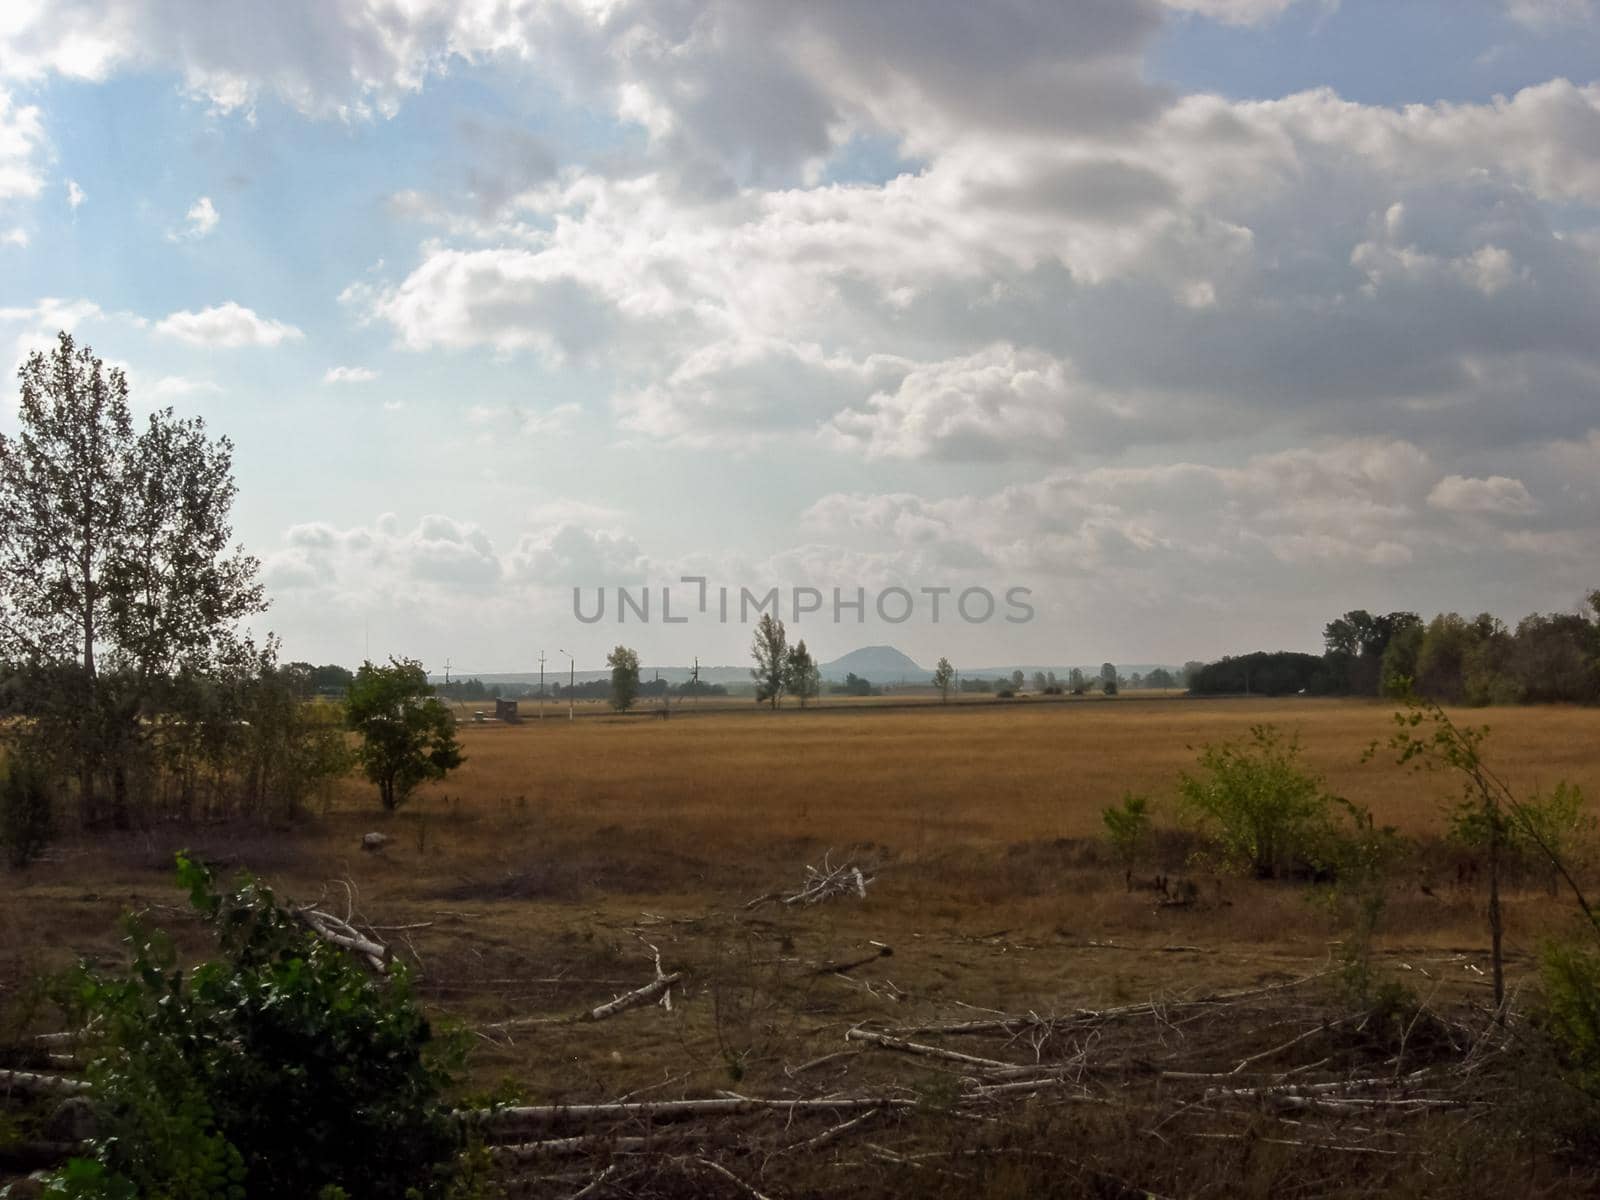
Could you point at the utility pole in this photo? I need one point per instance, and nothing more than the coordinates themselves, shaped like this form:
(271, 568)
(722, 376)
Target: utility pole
(541, 685)
(572, 682)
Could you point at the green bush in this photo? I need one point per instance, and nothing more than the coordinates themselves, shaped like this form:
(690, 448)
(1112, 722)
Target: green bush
(1266, 813)
(1128, 830)
(27, 821)
(280, 1068)
(1571, 978)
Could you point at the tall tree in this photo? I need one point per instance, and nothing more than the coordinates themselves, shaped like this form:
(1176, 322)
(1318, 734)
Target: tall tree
(770, 649)
(115, 564)
(943, 676)
(407, 736)
(624, 664)
(801, 676)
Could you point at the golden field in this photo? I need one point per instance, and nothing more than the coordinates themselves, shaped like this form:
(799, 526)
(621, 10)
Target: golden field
(976, 817)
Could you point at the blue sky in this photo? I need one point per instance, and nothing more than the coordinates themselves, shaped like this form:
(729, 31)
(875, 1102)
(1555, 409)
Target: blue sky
(1202, 320)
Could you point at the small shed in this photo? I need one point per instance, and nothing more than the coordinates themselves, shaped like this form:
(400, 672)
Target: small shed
(506, 710)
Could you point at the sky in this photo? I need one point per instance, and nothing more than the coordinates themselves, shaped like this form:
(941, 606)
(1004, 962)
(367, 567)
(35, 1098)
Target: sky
(1199, 321)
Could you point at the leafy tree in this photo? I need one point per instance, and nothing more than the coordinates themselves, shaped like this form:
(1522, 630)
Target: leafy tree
(771, 652)
(407, 736)
(1556, 657)
(1017, 680)
(1160, 678)
(280, 1068)
(801, 676)
(943, 676)
(855, 685)
(1076, 683)
(115, 567)
(1039, 681)
(624, 664)
(1267, 813)
(1108, 673)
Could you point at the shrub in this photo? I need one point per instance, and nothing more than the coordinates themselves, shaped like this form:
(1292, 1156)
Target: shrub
(280, 1068)
(1128, 830)
(27, 821)
(1265, 812)
(1570, 1013)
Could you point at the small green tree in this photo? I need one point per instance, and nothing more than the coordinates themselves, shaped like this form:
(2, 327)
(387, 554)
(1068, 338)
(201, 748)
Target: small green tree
(944, 675)
(1489, 815)
(280, 1068)
(1361, 860)
(1266, 812)
(624, 664)
(1128, 830)
(770, 648)
(407, 736)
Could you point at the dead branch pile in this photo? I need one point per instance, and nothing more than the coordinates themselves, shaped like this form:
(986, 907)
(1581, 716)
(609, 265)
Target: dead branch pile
(1276, 1064)
(342, 931)
(819, 884)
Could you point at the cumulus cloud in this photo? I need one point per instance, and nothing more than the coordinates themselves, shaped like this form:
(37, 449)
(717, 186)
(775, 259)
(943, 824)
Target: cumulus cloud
(1497, 495)
(1547, 16)
(349, 375)
(21, 138)
(496, 421)
(226, 326)
(1238, 12)
(200, 221)
(444, 560)
(75, 195)
(174, 387)
(1313, 264)
(34, 326)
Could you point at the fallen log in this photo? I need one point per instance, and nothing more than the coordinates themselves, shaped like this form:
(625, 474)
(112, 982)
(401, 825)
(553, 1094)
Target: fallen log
(659, 988)
(905, 1047)
(547, 1115)
(28, 1083)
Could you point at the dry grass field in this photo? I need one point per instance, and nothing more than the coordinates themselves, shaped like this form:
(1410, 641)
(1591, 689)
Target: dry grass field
(535, 882)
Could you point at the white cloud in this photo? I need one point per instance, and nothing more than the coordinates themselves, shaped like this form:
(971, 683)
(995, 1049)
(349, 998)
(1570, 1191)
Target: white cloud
(1546, 16)
(17, 237)
(75, 195)
(174, 387)
(21, 138)
(1238, 12)
(497, 421)
(1309, 263)
(198, 222)
(226, 325)
(349, 375)
(1497, 495)
(38, 324)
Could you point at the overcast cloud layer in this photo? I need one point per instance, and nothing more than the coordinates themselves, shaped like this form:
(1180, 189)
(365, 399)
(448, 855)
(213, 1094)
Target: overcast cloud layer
(502, 299)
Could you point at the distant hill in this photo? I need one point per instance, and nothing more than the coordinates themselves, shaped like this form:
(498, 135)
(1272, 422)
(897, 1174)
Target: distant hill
(881, 664)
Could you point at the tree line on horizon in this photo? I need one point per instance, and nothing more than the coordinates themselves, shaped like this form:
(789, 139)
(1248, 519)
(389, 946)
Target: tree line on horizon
(1451, 659)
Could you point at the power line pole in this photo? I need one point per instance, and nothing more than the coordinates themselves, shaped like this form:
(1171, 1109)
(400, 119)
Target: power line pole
(572, 682)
